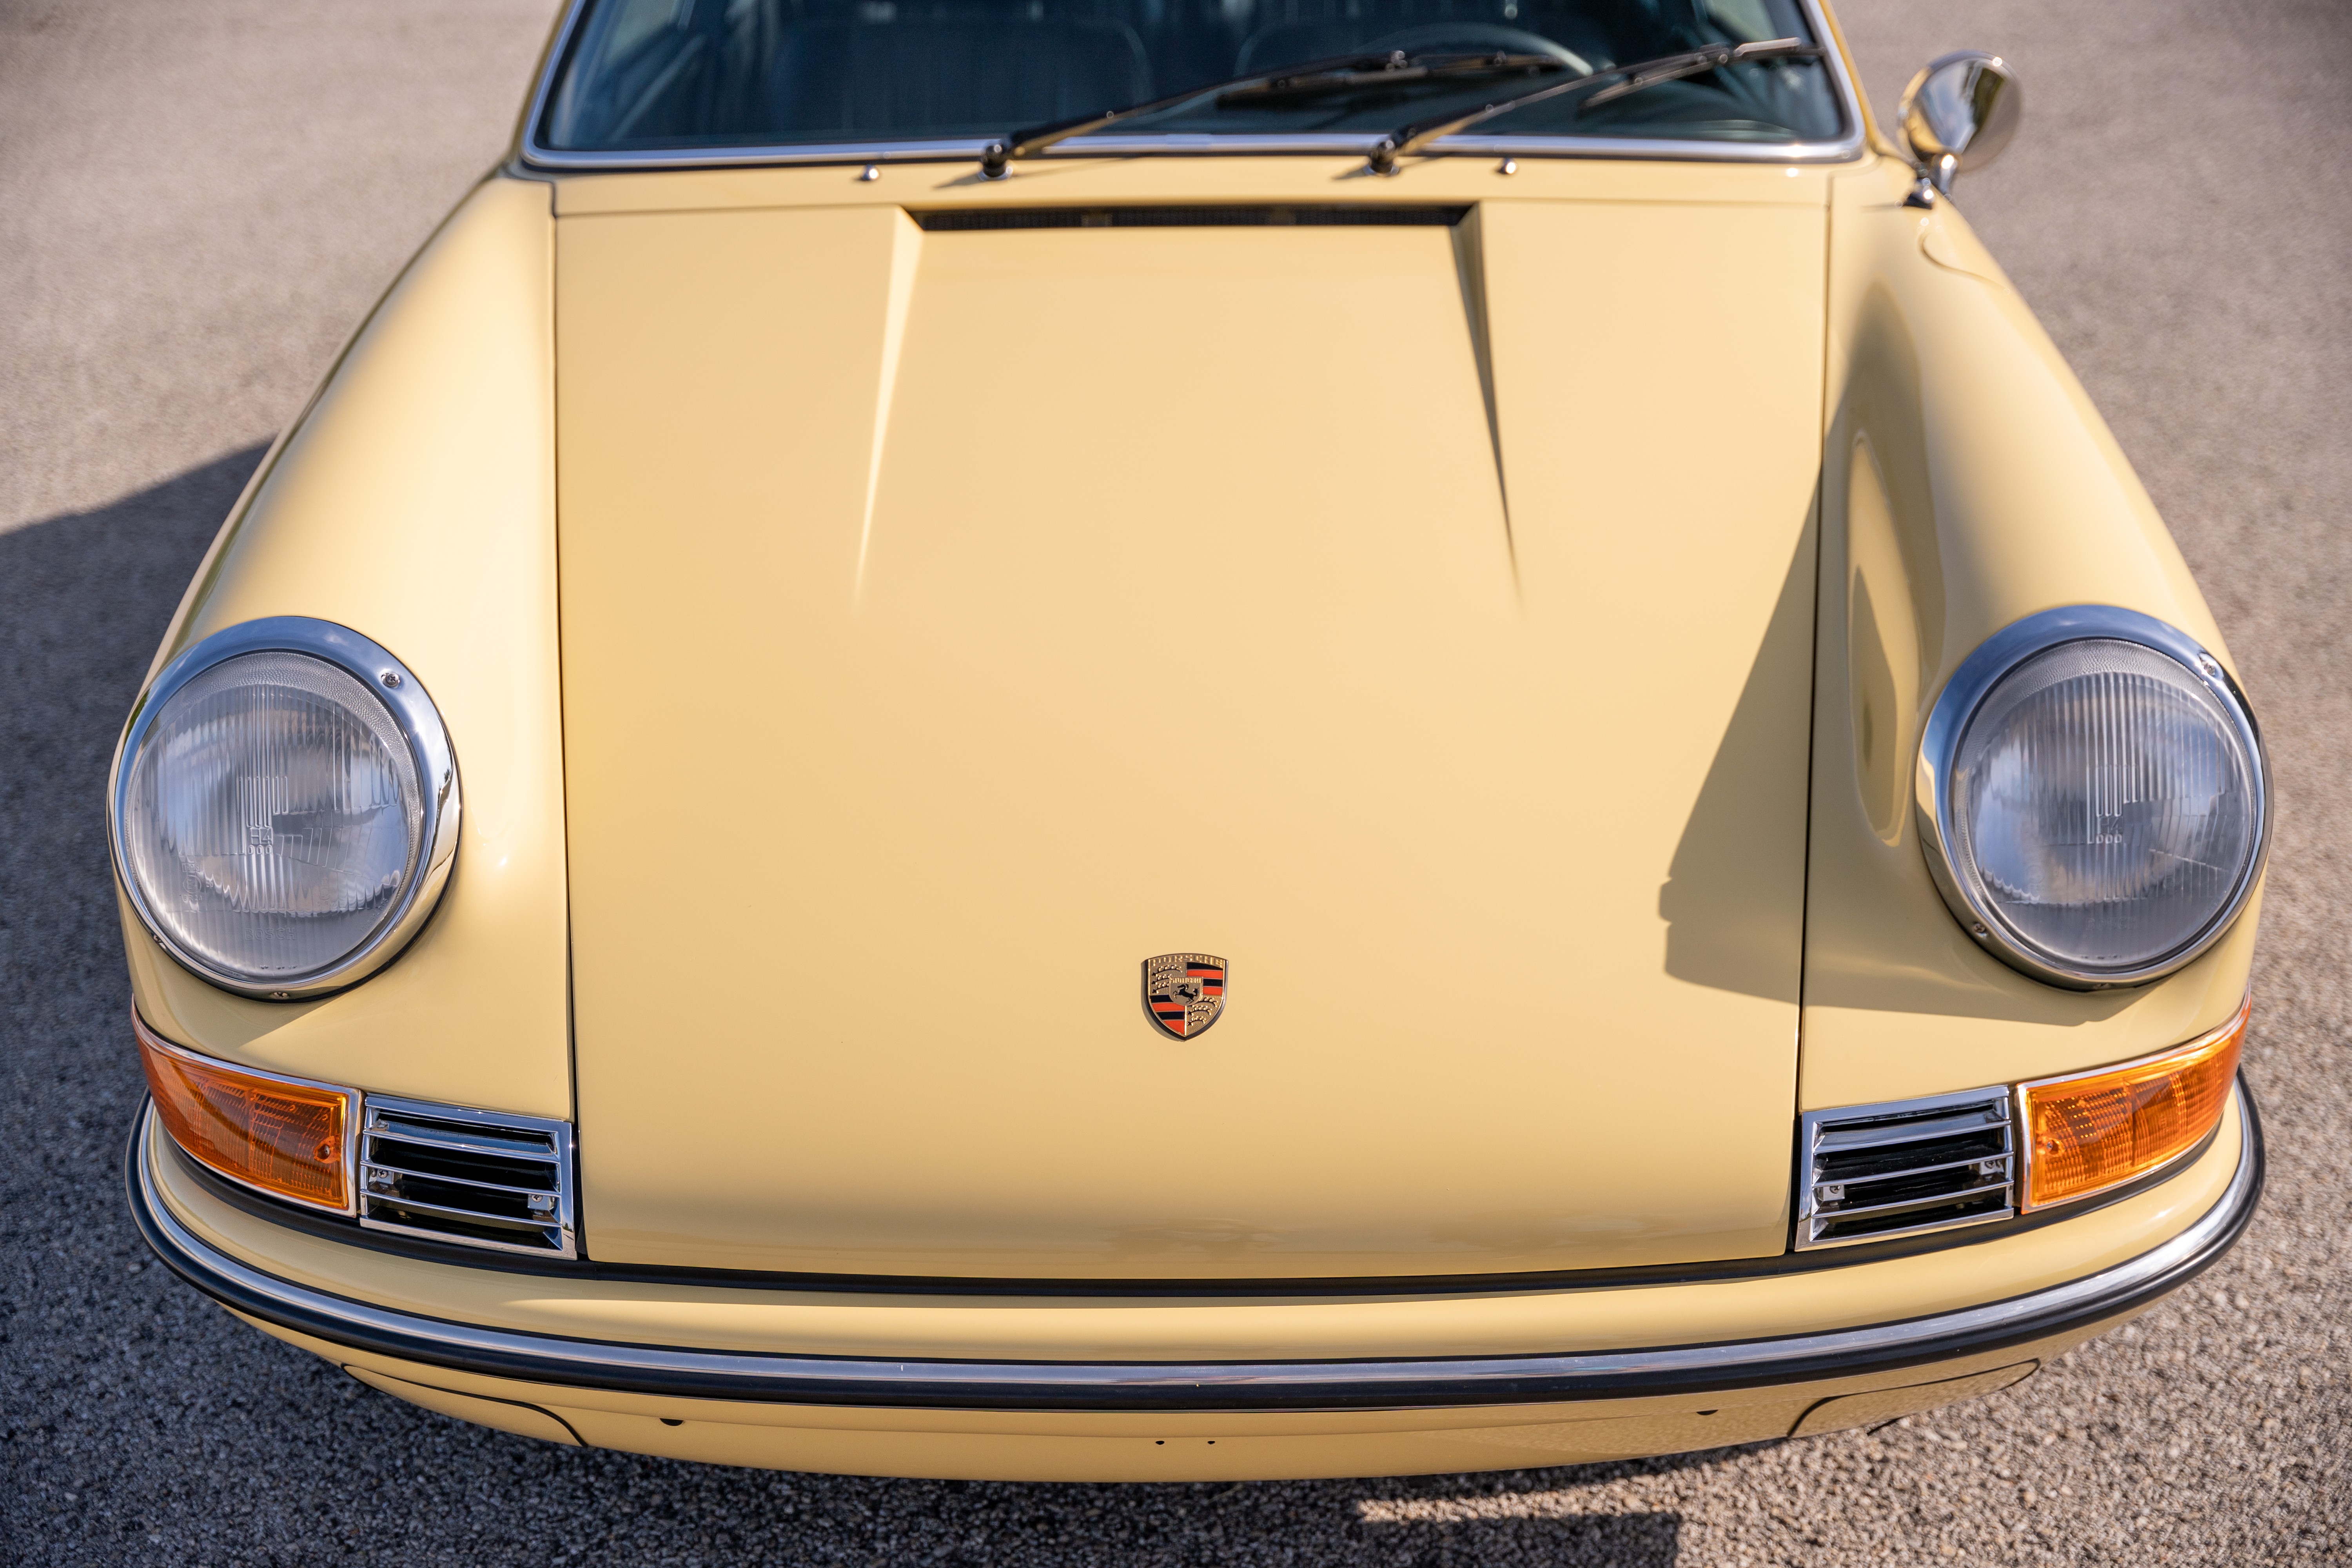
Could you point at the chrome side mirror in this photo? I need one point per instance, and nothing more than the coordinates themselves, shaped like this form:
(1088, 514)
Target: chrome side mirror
(1958, 114)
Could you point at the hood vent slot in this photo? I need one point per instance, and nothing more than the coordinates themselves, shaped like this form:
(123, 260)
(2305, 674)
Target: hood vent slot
(1906, 1167)
(1326, 214)
(476, 1177)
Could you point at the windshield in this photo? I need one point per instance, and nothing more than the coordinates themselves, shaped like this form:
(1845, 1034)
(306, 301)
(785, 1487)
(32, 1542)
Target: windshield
(683, 75)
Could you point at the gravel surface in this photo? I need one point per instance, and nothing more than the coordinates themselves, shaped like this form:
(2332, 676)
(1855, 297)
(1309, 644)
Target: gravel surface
(199, 198)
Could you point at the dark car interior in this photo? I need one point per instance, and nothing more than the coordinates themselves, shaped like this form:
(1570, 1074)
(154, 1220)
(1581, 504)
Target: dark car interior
(655, 74)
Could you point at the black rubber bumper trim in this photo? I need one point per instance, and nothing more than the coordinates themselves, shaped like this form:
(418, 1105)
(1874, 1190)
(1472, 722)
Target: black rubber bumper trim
(662, 1370)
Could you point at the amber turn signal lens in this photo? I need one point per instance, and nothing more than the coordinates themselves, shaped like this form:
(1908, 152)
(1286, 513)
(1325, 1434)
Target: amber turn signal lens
(2095, 1131)
(281, 1135)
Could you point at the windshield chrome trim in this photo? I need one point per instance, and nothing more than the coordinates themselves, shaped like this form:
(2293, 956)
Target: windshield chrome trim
(532, 154)
(1194, 145)
(2082, 1303)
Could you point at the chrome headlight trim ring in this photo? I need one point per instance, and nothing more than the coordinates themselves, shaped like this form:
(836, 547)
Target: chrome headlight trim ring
(1947, 726)
(419, 721)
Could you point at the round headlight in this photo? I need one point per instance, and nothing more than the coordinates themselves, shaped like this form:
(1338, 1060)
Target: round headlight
(2092, 796)
(285, 808)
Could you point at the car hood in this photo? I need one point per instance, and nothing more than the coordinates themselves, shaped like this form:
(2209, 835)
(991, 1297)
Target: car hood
(1415, 617)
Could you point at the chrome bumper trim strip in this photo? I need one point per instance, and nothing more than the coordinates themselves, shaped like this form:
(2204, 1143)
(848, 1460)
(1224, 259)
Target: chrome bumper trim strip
(1205, 1386)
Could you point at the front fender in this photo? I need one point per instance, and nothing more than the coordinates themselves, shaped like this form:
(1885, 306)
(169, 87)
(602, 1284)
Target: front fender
(415, 503)
(1967, 482)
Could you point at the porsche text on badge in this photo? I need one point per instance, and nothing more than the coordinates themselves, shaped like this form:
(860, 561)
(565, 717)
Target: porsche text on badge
(1183, 992)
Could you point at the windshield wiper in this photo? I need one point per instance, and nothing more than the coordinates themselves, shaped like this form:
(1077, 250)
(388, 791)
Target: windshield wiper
(1413, 137)
(1300, 87)
(1316, 78)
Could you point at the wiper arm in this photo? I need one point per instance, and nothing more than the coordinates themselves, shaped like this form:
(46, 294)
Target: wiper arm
(1413, 137)
(1037, 138)
(1316, 78)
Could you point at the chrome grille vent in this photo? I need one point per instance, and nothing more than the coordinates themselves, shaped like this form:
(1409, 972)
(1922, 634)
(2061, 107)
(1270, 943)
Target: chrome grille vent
(477, 1177)
(1872, 1173)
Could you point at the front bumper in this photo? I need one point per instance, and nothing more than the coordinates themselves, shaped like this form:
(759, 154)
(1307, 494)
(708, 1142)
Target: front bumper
(403, 1343)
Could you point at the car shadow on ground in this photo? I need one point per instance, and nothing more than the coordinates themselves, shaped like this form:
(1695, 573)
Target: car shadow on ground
(84, 600)
(1551, 1517)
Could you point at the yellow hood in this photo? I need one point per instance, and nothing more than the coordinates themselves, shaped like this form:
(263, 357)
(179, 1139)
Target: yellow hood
(1417, 617)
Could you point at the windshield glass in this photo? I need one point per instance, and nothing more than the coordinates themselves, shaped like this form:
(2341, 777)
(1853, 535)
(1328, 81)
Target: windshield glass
(681, 75)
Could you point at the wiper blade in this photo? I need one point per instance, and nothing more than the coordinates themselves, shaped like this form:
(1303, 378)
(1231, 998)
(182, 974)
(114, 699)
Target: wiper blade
(1316, 78)
(1410, 139)
(1299, 87)
(1698, 62)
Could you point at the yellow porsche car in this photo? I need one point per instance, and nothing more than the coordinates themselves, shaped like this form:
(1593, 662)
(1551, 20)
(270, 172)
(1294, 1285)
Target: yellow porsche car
(1066, 739)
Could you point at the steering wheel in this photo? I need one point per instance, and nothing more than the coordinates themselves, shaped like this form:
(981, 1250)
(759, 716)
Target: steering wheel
(1476, 37)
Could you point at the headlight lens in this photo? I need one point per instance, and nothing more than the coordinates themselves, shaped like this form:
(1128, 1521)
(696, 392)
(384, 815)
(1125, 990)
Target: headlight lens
(272, 819)
(2102, 805)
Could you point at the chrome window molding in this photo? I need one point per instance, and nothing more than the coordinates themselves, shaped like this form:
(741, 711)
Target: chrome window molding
(352, 1115)
(1194, 145)
(1947, 722)
(534, 155)
(2082, 1303)
(403, 696)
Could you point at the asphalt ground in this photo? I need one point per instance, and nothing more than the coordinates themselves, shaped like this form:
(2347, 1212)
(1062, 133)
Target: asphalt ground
(197, 200)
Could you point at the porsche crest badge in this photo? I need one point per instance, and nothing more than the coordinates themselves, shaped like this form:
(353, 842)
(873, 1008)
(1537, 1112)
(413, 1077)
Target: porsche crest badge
(1183, 992)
